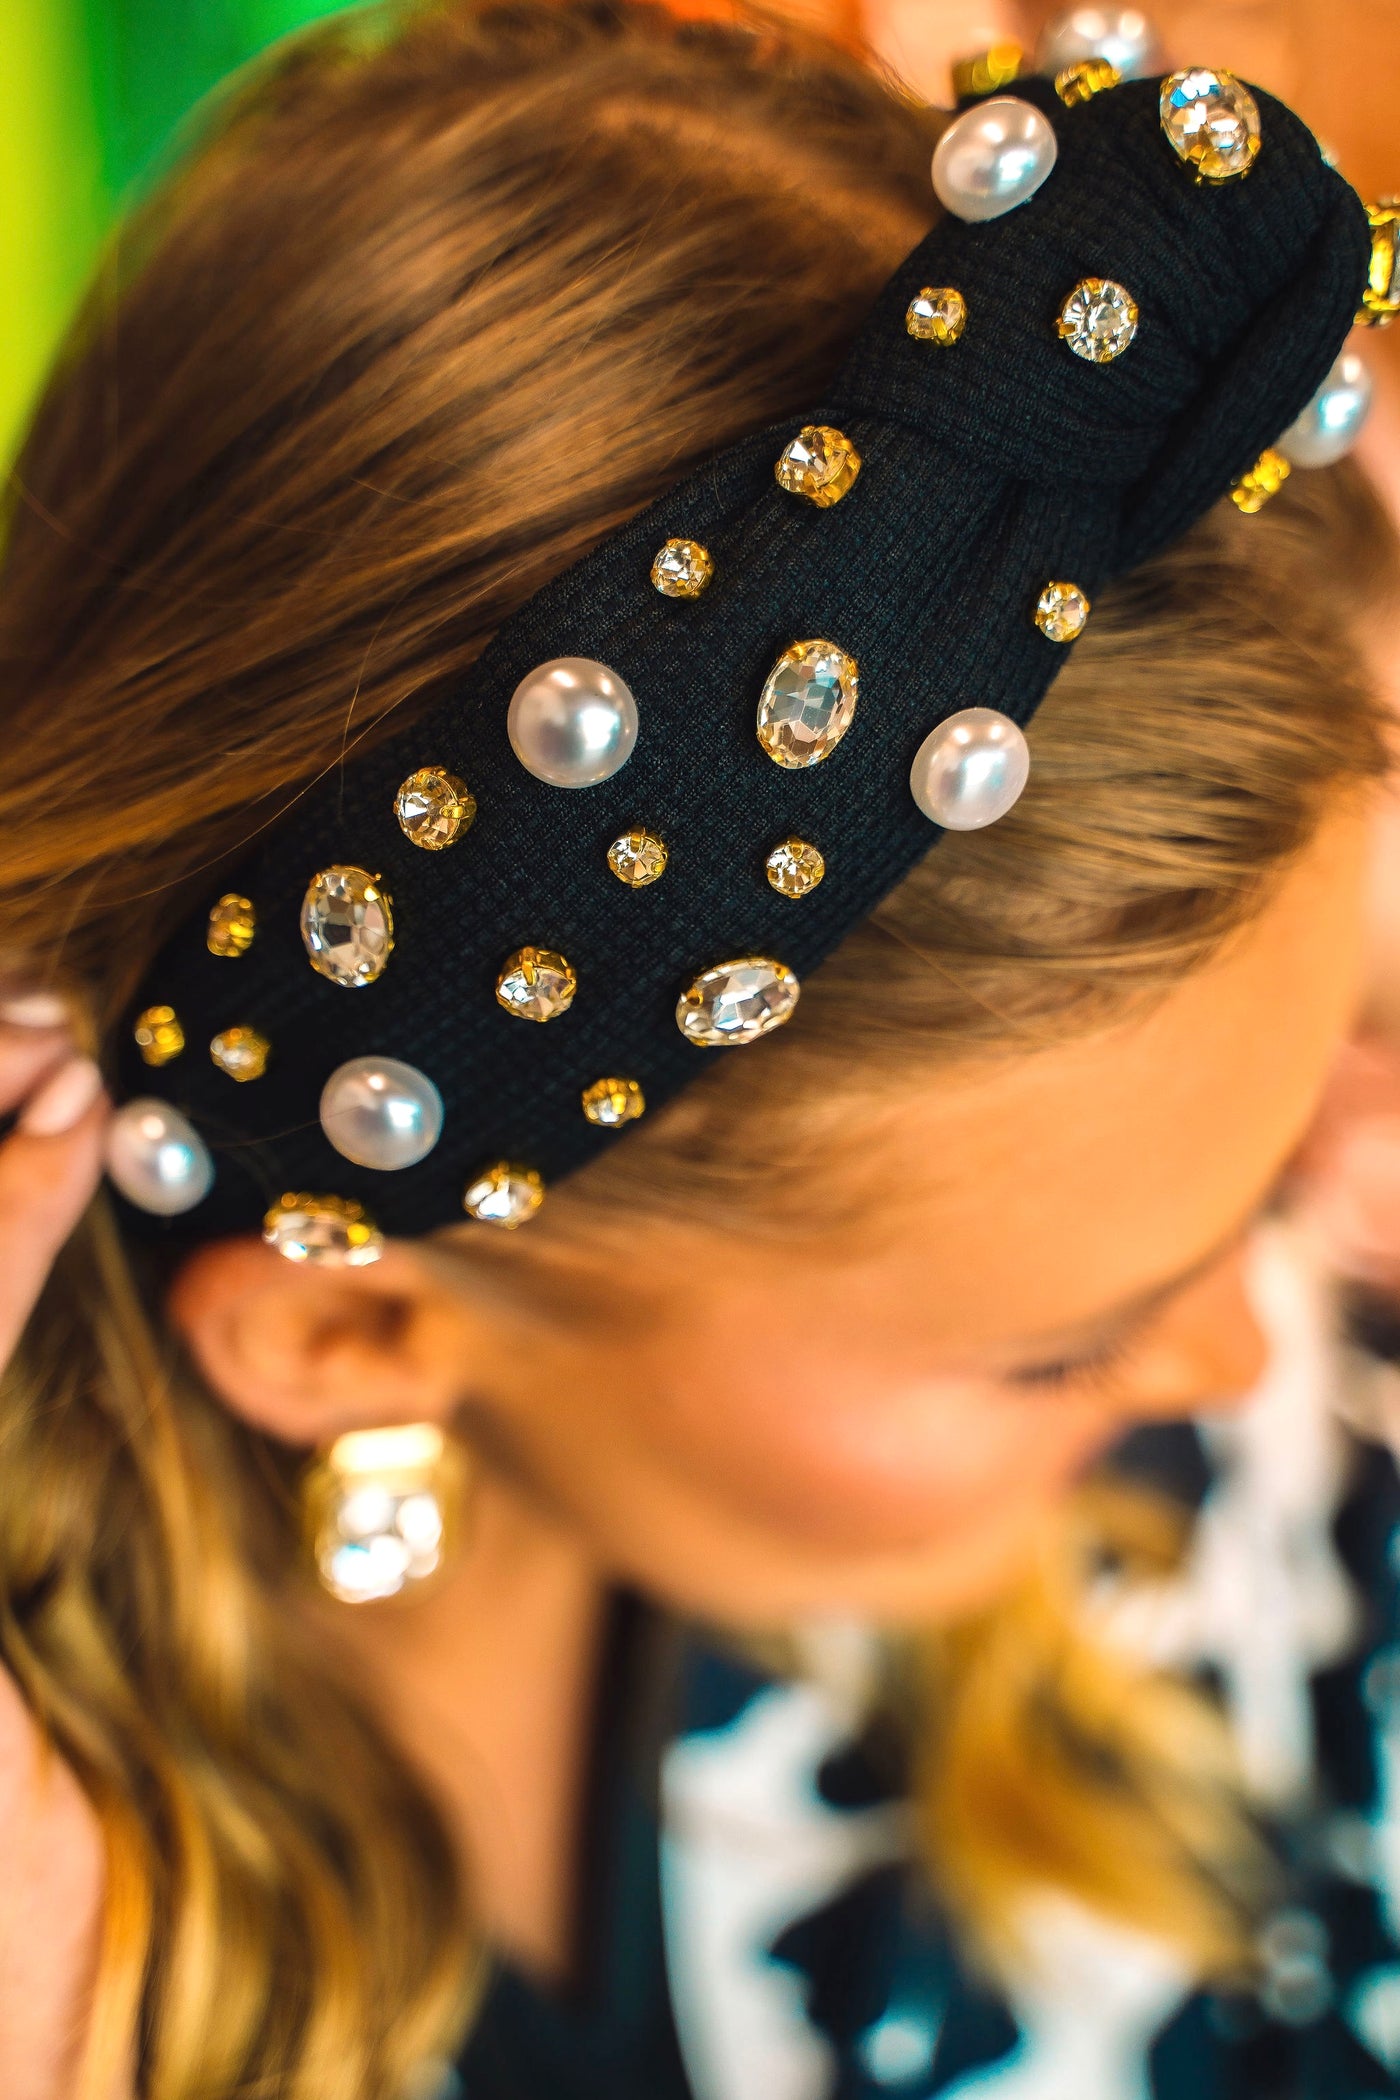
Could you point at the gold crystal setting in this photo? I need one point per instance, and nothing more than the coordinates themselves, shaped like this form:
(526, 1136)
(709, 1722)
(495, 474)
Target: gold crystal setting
(233, 924)
(1261, 484)
(937, 314)
(987, 71)
(1380, 302)
(820, 463)
(347, 926)
(808, 703)
(638, 858)
(737, 1002)
(1212, 123)
(158, 1035)
(506, 1194)
(330, 1230)
(536, 984)
(1098, 320)
(381, 1510)
(241, 1052)
(1062, 612)
(794, 868)
(682, 569)
(612, 1102)
(1080, 83)
(434, 808)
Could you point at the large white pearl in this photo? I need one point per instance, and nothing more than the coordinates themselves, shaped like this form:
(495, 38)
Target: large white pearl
(572, 722)
(381, 1113)
(1122, 35)
(1333, 420)
(991, 158)
(157, 1158)
(970, 770)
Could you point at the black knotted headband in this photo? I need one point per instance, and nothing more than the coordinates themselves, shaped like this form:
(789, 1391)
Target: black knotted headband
(989, 469)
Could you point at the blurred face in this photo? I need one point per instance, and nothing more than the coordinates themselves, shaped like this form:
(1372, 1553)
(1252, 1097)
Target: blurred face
(755, 1427)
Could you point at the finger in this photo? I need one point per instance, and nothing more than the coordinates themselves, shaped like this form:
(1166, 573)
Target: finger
(27, 1056)
(49, 1169)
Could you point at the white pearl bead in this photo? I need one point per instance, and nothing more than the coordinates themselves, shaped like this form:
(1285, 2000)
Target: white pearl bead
(572, 722)
(992, 158)
(1333, 420)
(970, 770)
(381, 1113)
(1122, 35)
(157, 1158)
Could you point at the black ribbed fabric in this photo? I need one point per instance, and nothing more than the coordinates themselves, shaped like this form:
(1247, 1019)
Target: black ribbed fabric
(989, 468)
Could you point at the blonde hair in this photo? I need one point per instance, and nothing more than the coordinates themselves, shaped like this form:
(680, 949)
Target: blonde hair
(301, 458)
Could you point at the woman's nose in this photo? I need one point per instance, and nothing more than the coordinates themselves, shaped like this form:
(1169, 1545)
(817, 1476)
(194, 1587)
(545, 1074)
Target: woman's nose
(1208, 1348)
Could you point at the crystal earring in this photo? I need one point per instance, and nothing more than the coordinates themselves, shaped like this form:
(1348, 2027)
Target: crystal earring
(382, 1509)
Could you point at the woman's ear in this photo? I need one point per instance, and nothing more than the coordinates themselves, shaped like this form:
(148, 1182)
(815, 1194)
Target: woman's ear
(306, 1353)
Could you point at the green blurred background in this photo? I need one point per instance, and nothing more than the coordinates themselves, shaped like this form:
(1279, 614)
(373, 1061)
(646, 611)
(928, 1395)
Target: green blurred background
(90, 91)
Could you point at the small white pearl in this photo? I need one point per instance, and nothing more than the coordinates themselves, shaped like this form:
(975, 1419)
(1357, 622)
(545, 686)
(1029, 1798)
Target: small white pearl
(1122, 35)
(1333, 420)
(158, 1159)
(992, 158)
(572, 722)
(970, 770)
(382, 1113)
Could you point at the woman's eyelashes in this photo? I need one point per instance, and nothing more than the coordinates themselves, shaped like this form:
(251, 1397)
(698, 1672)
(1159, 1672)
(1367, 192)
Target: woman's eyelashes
(1092, 1369)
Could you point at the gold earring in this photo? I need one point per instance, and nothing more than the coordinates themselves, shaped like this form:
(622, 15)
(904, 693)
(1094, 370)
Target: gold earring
(382, 1510)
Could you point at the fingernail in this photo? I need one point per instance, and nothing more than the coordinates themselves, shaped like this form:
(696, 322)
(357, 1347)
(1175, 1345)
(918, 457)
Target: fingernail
(35, 1010)
(62, 1100)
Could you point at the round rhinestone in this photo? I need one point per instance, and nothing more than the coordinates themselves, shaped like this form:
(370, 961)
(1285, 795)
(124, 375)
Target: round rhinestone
(938, 314)
(505, 1194)
(794, 868)
(434, 808)
(807, 704)
(232, 925)
(241, 1052)
(736, 1002)
(1098, 320)
(347, 923)
(1062, 612)
(820, 463)
(682, 569)
(612, 1102)
(1212, 121)
(536, 984)
(637, 858)
(159, 1035)
(325, 1229)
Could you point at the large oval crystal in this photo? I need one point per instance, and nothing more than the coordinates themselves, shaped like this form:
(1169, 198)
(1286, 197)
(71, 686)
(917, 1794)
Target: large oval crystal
(347, 923)
(736, 1002)
(1212, 121)
(807, 704)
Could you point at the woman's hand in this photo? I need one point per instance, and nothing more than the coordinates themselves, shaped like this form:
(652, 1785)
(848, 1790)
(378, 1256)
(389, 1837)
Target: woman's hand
(50, 1163)
(51, 1866)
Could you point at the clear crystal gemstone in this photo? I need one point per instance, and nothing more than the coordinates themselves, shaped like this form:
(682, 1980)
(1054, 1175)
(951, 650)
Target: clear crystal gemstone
(794, 868)
(241, 1052)
(1099, 320)
(736, 1002)
(232, 925)
(807, 704)
(434, 808)
(504, 1195)
(1061, 612)
(328, 1229)
(612, 1102)
(535, 984)
(347, 923)
(1212, 121)
(159, 1035)
(378, 1508)
(682, 569)
(637, 858)
(820, 463)
(937, 315)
